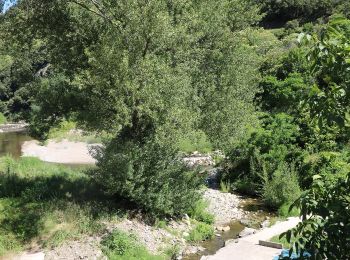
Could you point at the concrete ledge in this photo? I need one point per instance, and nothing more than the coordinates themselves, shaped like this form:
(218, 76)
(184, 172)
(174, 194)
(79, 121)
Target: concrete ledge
(270, 244)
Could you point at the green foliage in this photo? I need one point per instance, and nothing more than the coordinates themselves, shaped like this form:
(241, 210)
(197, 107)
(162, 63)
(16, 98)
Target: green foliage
(256, 159)
(119, 245)
(149, 176)
(200, 232)
(330, 59)
(3, 119)
(284, 211)
(195, 141)
(331, 165)
(199, 212)
(325, 226)
(225, 186)
(150, 77)
(282, 188)
(281, 240)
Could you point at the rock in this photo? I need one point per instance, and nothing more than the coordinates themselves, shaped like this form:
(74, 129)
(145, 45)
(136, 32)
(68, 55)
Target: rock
(265, 224)
(193, 249)
(246, 232)
(185, 234)
(246, 222)
(224, 206)
(187, 220)
(225, 229)
(219, 228)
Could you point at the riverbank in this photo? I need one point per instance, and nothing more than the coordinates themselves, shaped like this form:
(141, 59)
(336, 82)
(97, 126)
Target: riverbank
(65, 152)
(13, 127)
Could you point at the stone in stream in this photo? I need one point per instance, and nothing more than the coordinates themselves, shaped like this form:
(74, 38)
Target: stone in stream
(246, 232)
(265, 224)
(223, 228)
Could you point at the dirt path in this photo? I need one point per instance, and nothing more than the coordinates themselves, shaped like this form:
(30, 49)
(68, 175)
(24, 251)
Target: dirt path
(249, 248)
(60, 152)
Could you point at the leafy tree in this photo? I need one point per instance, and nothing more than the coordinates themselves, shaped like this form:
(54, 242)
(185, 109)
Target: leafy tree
(330, 59)
(325, 228)
(147, 73)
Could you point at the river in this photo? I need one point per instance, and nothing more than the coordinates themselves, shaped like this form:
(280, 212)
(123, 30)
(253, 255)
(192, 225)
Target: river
(11, 143)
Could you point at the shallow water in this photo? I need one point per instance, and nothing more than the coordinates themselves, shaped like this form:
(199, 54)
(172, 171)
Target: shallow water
(11, 143)
(258, 213)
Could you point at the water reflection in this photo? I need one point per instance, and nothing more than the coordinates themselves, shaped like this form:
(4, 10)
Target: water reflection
(11, 143)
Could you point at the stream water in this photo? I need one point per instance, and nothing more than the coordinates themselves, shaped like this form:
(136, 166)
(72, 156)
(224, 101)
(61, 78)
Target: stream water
(257, 214)
(11, 143)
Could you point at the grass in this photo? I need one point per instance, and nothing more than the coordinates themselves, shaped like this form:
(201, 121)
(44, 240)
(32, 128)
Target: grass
(122, 246)
(3, 119)
(44, 205)
(199, 212)
(225, 186)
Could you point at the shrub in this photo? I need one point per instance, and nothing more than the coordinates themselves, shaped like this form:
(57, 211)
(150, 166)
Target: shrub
(256, 159)
(148, 175)
(201, 232)
(282, 188)
(119, 245)
(284, 211)
(199, 212)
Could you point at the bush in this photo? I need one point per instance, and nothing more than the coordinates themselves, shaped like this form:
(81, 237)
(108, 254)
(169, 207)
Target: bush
(282, 188)
(119, 245)
(284, 211)
(199, 212)
(148, 175)
(257, 158)
(201, 232)
(3, 119)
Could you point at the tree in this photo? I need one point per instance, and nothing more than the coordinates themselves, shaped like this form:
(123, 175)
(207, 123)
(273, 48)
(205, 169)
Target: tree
(146, 72)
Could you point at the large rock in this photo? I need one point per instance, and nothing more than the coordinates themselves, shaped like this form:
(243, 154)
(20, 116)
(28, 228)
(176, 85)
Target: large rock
(247, 232)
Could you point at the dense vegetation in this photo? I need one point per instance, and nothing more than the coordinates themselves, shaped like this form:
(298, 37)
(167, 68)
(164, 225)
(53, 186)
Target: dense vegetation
(266, 82)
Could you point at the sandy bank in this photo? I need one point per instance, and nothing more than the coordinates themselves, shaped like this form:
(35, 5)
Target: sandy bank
(60, 152)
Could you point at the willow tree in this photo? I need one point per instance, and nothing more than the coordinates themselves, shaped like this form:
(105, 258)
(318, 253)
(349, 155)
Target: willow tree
(147, 72)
